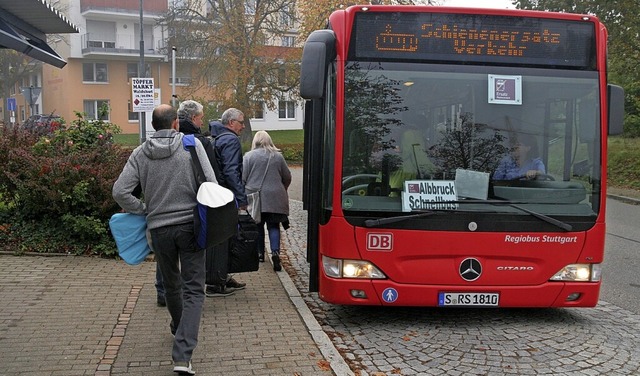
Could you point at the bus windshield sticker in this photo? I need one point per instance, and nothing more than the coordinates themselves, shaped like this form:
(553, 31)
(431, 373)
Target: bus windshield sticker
(472, 184)
(505, 89)
(429, 195)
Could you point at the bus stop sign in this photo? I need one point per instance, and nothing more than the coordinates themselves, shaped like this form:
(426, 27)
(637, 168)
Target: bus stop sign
(11, 104)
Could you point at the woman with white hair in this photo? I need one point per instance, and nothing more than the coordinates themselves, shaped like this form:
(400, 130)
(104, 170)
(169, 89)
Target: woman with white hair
(265, 170)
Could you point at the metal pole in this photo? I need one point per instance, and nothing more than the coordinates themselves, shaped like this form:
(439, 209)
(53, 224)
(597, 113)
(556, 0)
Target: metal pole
(173, 76)
(142, 73)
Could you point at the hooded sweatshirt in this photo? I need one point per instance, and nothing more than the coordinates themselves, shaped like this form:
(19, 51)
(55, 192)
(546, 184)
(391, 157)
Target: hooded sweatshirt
(162, 167)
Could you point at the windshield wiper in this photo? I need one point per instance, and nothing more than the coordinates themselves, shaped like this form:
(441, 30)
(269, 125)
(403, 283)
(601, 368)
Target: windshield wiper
(385, 221)
(546, 218)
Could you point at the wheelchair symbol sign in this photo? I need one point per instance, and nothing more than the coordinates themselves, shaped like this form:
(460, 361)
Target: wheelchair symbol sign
(390, 295)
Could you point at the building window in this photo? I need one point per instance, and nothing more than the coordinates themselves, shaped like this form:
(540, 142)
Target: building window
(258, 110)
(288, 41)
(92, 108)
(95, 72)
(183, 75)
(282, 75)
(132, 70)
(250, 7)
(286, 18)
(133, 116)
(287, 109)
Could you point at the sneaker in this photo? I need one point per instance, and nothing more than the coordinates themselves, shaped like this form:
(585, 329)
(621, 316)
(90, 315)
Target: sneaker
(261, 257)
(276, 263)
(233, 285)
(214, 291)
(183, 368)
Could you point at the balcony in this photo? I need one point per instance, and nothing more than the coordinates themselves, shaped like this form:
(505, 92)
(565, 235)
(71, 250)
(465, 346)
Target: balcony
(95, 45)
(100, 44)
(181, 81)
(150, 7)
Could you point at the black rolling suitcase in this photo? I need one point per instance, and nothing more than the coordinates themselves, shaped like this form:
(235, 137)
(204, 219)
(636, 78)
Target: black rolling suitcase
(243, 251)
(237, 255)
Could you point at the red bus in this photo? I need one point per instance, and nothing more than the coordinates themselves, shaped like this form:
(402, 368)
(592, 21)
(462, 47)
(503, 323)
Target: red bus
(457, 157)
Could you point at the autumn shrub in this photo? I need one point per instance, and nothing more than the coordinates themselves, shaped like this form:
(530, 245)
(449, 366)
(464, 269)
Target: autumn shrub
(56, 189)
(292, 153)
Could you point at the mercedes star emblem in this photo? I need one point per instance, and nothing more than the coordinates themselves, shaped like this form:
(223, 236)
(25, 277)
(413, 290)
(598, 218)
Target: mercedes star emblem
(470, 269)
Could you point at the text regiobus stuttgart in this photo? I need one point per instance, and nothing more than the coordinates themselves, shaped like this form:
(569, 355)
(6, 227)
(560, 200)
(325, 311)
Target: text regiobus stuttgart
(457, 157)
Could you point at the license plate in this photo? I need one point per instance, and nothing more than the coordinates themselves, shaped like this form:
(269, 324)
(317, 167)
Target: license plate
(468, 299)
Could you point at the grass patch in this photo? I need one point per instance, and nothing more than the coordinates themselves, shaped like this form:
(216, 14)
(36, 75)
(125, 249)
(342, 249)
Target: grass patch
(132, 140)
(295, 136)
(624, 169)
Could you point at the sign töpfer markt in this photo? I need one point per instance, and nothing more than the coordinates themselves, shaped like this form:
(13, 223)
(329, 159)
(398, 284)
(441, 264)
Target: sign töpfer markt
(142, 94)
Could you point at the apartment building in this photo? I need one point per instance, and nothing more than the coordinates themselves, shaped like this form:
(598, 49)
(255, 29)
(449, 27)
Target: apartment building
(105, 55)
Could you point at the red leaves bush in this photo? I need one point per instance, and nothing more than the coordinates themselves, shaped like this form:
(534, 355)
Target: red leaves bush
(55, 190)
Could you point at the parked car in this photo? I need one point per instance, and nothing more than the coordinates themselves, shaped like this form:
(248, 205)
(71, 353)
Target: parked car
(43, 123)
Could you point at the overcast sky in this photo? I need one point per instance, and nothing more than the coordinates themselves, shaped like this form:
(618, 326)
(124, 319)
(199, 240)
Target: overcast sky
(479, 3)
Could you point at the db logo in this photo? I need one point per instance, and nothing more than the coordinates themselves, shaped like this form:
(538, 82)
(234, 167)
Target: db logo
(379, 242)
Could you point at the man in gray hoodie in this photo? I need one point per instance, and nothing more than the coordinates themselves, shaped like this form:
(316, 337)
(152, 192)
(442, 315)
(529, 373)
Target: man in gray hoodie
(162, 167)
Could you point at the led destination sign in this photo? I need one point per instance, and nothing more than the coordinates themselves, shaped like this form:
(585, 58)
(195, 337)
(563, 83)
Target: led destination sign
(473, 38)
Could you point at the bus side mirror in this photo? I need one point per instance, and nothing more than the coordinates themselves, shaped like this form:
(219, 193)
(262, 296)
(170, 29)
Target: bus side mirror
(616, 109)
(318, 50)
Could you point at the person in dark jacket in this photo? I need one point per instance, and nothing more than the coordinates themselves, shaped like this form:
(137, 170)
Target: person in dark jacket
(190, 115)
(229, 152)
(266, 171)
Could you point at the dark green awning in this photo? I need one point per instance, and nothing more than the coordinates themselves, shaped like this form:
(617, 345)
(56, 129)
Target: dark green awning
(24, 25)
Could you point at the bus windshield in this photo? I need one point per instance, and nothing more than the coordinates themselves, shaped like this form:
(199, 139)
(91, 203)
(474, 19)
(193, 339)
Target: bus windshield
(421, 137)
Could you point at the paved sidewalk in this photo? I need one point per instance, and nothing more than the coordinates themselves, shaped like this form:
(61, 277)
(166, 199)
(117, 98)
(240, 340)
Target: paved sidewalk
(71, 315)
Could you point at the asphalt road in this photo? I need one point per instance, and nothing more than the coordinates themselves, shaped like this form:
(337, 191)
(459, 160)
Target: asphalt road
(620, 278)
(295, 189)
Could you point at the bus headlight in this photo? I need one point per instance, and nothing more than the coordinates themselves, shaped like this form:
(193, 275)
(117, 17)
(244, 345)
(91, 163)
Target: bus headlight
(338, 268)
(579, 273)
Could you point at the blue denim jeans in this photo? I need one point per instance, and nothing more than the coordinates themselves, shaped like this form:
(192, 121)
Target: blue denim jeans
(274, 237)
(182, 268)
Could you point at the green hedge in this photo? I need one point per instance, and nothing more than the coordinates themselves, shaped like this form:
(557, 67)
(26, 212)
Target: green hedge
(623, 156)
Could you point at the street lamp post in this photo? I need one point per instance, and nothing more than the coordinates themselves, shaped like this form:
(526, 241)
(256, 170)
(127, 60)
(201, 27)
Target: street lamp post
(142, 73)
(173, 76)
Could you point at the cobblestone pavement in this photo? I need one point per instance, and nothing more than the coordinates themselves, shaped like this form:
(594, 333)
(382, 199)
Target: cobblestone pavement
(88, 316)
(433, 341)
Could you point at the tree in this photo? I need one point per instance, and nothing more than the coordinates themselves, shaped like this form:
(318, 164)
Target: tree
(316, 12)
(472, 146)
(241, 52)
(624, 44)
(14, 68)
(372, 110)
